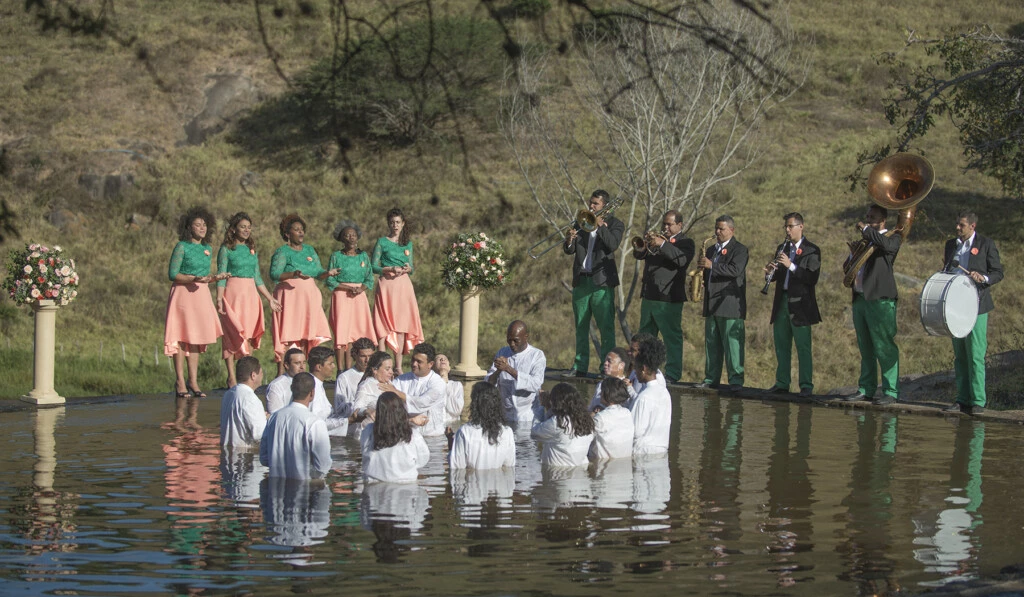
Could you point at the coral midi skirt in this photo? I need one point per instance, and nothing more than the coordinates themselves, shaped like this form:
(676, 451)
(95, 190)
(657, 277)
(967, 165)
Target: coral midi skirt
(301, 321)
(191, 319)
(243, 318)
(350, 318)
(395, 311)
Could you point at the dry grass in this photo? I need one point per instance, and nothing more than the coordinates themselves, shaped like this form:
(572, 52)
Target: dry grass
(66, 100)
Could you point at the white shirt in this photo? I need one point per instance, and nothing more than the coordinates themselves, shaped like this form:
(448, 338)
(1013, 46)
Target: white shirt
(472, 449)
(398, 464)
(320, 406)
(561, 448)
(963, 253)
(613, 433)
(295, 444)
(518, 394)
(346, 385)
(366, 397)
(424, 395)
(652, 416)
(242, 418)
(630, 382)
(454, 402)
(279, 393)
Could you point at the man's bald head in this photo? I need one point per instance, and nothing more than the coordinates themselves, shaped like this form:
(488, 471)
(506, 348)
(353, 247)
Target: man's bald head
(517, 336)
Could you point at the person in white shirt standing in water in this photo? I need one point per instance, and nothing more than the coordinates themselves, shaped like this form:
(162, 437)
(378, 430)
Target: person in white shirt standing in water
(518, 371)
(613, 423)
(321, 365)
(485, 442)
(345, 386)
(279, 391)
(242, 418)
(295, 443)
(424, 390)
(652, 407)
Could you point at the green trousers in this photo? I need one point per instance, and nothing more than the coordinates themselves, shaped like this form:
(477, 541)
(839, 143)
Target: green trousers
(875, 322)
(969, 364)
(588, 300)
(667, 318)
(723, 337)
(785, 335)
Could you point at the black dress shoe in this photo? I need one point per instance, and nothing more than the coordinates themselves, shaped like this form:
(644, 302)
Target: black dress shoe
(806, 392)
(858, 397)
(882, 401)
(956, 407)
(975, 410)
(777, 390)
(704, 385)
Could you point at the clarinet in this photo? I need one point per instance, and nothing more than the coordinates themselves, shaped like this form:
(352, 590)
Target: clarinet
(773, 265)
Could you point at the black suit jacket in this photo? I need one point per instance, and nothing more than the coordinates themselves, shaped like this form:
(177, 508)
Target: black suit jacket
(725, 284)
(604, 272)
(802, 301)
(879, 282)
(985, 261)
(665, 270)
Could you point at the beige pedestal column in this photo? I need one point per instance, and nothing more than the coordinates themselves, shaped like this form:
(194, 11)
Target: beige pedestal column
(42, 393)
(469, 329)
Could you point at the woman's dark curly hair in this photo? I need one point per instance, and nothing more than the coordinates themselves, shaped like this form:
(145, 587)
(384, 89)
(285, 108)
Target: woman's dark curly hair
(569, 408)
(403, 237)
(376, 360)
(391, 422)
(231, 233)
(287, 222)
(196, 213)
(485, 410)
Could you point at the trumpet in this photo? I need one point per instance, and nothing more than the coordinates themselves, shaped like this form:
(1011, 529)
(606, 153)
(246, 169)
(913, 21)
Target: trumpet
(695, 281)
(773, 266)
(643, 243)
(585, 220)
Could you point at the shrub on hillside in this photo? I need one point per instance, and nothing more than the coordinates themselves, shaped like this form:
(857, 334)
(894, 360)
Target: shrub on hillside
(397, 87)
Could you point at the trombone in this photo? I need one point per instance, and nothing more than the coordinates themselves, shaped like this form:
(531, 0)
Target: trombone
(585, 221)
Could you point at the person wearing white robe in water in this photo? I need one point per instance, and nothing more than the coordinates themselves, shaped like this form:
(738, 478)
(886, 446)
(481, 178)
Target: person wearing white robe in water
(392, 451)
(455, 395)
(652, 407)
(242, 418)
(485, 442)
(295, 442)
(424, 390)
(613, 424)
(564, 426)
(518, 372)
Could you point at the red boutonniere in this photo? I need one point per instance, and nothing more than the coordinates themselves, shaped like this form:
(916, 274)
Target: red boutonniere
(725, 251)
(672, 240)
(206, 252)
(362, 264)
(974, 250)
(407, 252)
(309, 258)
(799, 251)
(252, 251)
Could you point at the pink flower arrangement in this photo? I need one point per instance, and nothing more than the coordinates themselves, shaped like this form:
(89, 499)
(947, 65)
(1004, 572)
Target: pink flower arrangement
(474, 261)
(38, 273)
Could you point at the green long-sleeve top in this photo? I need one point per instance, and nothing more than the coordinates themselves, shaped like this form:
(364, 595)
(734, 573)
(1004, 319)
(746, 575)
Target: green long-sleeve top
(353, 269)
(389, 254)
(240, 262)
(191, 259)
(287, 259)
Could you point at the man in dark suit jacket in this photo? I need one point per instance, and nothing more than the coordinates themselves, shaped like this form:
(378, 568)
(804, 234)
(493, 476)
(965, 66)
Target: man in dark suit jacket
(795, 307)
(664, 288)
(725, 305)
(980, 257)
(874, 312)
(594, 278)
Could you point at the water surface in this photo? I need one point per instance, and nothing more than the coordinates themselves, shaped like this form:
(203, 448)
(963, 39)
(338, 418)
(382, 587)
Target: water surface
(753, 499)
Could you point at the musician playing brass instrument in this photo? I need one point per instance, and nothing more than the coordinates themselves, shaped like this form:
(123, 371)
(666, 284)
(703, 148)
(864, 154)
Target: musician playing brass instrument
(874, 311)
(666, 257)
(975, 256)
(794, 271)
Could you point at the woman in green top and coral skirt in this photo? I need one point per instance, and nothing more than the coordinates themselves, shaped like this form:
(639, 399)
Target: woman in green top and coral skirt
(301, 322)
(191, 322)
(396, 314)
(350, 310)
(238, 297)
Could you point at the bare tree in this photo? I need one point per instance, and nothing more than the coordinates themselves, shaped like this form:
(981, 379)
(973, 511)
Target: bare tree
(669, 119)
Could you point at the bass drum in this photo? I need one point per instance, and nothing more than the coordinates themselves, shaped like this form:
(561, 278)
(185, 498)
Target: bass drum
(949, 305)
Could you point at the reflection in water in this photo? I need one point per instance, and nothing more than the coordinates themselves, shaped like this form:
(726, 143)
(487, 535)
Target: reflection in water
(789, 496)
(242, 472)
(394, 512)
(297, 515)
(869, 506)
(719, 478)
(192, 479)
(483, 499)
(950, 540)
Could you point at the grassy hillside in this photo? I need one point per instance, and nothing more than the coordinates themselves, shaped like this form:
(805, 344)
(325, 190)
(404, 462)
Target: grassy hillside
(73, 105)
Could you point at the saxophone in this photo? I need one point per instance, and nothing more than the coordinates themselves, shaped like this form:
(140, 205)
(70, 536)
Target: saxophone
(695, 284)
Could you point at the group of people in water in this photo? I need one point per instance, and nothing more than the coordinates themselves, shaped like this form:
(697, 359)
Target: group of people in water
(629, 414)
